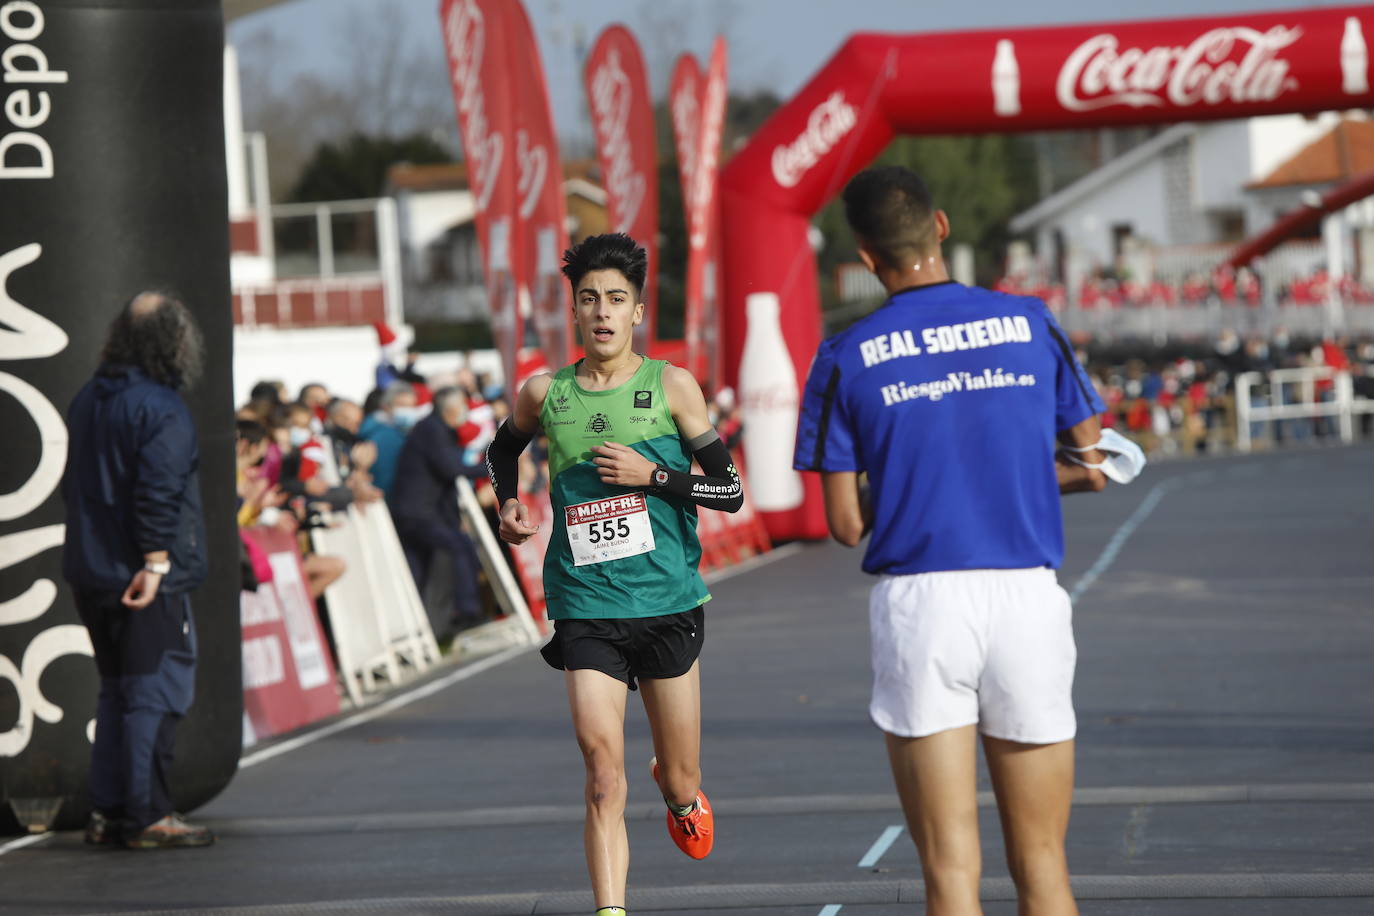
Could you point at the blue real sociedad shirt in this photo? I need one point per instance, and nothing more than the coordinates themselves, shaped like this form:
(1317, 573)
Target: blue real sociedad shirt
(950, 398)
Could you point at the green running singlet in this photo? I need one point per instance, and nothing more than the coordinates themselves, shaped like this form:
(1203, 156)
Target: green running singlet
(616, 552)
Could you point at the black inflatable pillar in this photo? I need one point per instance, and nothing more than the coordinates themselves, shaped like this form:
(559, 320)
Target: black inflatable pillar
(112, 180)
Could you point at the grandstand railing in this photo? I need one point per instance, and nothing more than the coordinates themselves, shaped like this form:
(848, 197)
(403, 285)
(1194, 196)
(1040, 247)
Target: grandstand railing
(1295, 395)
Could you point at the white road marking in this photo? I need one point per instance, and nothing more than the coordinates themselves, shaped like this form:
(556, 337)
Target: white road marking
(23, 841)
(381, 709)
(753, 563)
(830, 910)
(880, 846)
(467, 671)
(1118, 540)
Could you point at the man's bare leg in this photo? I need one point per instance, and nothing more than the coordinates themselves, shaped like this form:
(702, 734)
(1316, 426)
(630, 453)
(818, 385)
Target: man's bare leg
(936, 780)
(1034, 786)
(598, 714)
(673, 706)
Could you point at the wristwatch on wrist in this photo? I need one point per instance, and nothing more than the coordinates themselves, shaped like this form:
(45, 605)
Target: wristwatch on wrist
(659, 477)
(160, 568)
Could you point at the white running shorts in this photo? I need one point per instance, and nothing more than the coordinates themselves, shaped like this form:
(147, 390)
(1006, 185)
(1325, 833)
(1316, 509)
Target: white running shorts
(987, 646)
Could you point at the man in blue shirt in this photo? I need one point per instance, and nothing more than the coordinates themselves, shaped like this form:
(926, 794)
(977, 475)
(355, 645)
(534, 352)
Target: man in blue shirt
(951, 400)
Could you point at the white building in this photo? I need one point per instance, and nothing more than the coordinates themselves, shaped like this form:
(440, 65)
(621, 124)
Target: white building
(1190, 185)
(440, 258)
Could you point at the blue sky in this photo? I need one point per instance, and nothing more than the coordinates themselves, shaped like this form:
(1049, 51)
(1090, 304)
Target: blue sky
(774, 44)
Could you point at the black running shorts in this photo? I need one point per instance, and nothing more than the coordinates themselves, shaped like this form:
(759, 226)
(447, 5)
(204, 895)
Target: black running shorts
(626, 649)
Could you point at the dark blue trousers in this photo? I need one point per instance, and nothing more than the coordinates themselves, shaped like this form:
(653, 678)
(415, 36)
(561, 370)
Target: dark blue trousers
(421, 539)
(147, 665)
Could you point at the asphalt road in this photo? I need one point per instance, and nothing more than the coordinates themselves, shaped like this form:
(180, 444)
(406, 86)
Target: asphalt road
(1225, 623)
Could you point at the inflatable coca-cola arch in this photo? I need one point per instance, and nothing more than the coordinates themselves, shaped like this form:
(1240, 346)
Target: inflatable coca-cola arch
(877, 86)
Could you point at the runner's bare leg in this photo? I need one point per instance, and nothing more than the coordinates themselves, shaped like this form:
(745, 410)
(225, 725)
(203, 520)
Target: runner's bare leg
(936, 780)
(1034, 786)
(598, 714)
(673, 706)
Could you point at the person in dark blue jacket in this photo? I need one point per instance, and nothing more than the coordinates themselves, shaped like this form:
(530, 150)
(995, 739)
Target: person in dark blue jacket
(424, 503)
(135, 549)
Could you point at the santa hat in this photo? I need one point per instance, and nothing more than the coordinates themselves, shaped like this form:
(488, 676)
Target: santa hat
(385, 336)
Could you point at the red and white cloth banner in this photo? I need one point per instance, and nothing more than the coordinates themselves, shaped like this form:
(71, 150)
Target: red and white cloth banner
(700, 202)
(541, 207)
(288, 677)
(627, 150)
(476, 37)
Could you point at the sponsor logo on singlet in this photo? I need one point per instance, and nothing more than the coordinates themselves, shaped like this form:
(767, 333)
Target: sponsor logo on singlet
(599, 423)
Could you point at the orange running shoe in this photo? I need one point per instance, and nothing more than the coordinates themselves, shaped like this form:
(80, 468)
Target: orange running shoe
(694, 832)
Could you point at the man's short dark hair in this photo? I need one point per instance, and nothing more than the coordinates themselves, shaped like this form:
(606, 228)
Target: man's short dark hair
(612, 251)
(890, 210)
(265, 391)
(156, 333)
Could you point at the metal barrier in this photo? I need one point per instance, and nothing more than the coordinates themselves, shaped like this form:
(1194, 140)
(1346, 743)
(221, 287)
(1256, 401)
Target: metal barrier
(1295, 394)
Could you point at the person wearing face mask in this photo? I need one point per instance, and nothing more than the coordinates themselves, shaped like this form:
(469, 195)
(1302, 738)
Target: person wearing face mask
(386, 428)
(307, 467)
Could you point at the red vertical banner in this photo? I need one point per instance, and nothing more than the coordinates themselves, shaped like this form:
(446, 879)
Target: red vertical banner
(684, 104)
(701, 205)
(623, 119)
(479, 62)
(542, 224)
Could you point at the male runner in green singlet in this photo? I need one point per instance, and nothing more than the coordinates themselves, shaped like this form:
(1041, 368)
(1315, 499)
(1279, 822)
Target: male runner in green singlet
(620, 576)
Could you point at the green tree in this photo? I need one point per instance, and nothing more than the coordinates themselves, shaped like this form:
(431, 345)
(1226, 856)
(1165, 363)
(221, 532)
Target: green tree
(980, 181)
(357, 165)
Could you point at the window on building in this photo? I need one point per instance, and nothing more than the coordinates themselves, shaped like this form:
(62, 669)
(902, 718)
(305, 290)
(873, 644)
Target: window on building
(1228, 226)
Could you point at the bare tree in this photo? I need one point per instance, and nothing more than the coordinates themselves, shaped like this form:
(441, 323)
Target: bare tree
(389, 82)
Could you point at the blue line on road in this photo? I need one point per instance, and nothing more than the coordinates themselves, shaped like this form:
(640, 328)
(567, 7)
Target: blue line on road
(830, 910)
(880, 846)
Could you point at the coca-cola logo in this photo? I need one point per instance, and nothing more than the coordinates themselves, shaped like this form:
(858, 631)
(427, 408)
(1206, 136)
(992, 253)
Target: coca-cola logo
(769, 398)
(827, 125)
(1098, 74)
(611, 102)
(465, 37)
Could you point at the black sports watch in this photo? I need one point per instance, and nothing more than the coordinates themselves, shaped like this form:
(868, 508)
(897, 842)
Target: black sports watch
(659, 477)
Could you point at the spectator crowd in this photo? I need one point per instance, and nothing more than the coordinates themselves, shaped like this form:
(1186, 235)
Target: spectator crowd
(1223, 285)
(303, 460)
(1184, 401)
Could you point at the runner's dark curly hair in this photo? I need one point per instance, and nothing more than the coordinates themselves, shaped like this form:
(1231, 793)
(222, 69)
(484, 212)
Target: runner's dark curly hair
(156, 333)
(612, 251)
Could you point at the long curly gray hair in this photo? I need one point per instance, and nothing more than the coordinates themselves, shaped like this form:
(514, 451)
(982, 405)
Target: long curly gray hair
(157, 333)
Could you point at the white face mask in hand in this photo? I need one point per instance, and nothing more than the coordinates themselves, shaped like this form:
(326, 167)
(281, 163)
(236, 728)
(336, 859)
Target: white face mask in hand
(1123, 462)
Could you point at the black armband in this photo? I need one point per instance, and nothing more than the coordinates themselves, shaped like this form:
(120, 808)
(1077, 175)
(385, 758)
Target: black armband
(719, 488)
(503, 461)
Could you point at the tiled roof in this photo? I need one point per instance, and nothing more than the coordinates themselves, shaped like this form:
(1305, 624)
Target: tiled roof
(1338, 155)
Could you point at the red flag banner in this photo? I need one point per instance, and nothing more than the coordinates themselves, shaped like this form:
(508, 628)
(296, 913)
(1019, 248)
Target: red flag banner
(623, 119)
(542, 227)
(479, 62)
(701, 207)
(684, 104)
